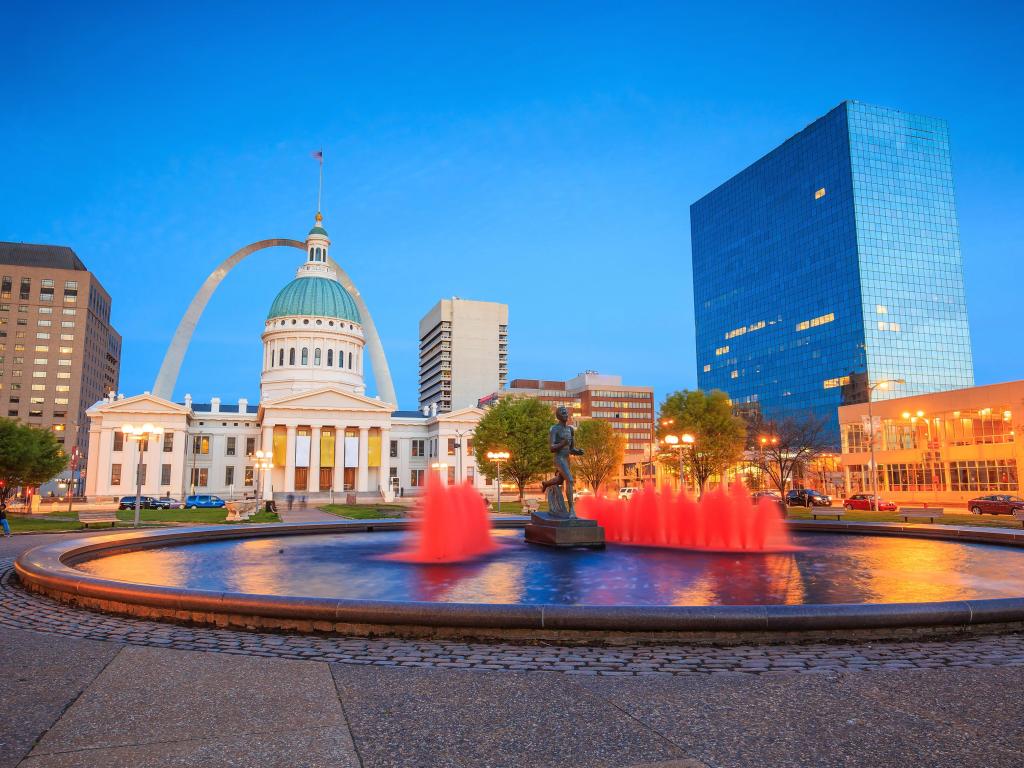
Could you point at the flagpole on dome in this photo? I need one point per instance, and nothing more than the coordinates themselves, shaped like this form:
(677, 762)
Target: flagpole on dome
(319, 157)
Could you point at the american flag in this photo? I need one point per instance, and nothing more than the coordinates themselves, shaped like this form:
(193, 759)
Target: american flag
(318, 155)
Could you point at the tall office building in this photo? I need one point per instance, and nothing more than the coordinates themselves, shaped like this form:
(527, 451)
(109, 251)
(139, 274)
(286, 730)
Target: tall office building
(58, 352)
(463, 353)
(832, 262)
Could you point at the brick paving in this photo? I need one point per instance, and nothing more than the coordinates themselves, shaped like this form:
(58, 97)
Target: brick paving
(20, 609)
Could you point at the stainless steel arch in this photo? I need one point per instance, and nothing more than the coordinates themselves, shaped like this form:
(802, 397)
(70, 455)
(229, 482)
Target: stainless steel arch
(168, 375)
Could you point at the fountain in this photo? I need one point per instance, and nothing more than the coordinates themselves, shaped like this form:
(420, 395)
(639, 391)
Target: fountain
(453, 526)
(722, 521)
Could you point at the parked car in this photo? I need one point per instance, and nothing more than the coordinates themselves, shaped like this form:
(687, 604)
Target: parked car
(756, 497)
(863, 501)
(166, 502)
(128, 502)
(997, 504)
(627, 493)
(806, 497)
(582, 493)
(204, 502)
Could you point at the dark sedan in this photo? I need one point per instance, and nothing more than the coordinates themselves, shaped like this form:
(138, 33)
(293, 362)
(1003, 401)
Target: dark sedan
(863, 501)
(128, 502)
(997, 504)
(805, 497)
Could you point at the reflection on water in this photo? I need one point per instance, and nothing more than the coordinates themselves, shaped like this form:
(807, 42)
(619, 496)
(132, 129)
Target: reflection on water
(833, 568)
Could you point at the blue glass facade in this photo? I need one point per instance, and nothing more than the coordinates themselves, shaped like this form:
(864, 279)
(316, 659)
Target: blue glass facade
(832, 261)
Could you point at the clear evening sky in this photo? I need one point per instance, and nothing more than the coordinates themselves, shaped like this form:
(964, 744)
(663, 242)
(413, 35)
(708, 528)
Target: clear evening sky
(539, 154)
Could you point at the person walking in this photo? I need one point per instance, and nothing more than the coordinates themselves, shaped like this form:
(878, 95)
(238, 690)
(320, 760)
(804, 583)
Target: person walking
(291, 501)
(3, 520)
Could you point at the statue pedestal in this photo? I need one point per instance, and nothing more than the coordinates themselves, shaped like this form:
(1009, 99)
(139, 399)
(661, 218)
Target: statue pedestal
(564, 532)
(560, 530)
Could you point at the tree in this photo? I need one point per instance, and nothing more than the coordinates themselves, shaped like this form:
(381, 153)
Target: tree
(719, 434)
(782, 447)
(603, 450)
(28, 457)
(520, 426)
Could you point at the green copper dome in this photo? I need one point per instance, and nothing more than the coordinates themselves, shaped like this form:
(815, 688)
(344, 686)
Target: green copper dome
(318, 231)
(316, 297)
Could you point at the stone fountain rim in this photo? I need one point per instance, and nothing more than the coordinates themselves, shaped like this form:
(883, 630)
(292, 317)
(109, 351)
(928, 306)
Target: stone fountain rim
(48, 569)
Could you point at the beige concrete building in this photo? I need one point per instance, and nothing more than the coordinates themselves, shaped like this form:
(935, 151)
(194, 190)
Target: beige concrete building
(327, 437)
(593, 395)
(59, 353)
(941, 448)
(463, 353)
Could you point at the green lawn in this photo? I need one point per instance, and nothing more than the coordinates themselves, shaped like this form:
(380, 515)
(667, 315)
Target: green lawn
(149, 517)
(366, 511)
(950, 518)
(513, 507)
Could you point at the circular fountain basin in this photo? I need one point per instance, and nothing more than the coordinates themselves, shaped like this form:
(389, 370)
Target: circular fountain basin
(336, 577)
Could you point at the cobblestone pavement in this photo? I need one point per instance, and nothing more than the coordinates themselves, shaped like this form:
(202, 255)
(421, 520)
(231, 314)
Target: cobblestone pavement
(21, 609)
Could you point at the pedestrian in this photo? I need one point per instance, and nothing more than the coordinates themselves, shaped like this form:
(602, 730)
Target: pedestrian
(303, 500)
(3, 520)
(291, 501)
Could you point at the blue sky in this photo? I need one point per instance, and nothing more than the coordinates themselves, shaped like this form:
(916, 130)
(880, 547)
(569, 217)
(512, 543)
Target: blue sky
(540, 154)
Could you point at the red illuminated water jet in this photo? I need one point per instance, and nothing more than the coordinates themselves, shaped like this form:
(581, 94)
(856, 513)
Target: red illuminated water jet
(722, 521)
(453, 525)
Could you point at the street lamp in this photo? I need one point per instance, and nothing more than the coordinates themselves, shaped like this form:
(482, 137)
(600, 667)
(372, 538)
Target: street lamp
(497, 457)
(677, 442)
(883, 384)
(140, 435)
(764, 440)
(264, 461)
(458, 452)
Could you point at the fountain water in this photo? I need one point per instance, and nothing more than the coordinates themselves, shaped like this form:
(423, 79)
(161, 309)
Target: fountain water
(722, 521)
(454, 525)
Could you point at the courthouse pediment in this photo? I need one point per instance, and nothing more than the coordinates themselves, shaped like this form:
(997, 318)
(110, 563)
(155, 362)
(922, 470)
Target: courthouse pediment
(138, 405)
(328, 399)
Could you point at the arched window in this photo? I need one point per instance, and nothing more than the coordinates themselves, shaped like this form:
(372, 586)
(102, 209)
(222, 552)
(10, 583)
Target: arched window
(341, 358)
(305, 355)
(291, 356)
(316, 356)
(330, 358)
(271, 358)
(280, 357)
(349, 359)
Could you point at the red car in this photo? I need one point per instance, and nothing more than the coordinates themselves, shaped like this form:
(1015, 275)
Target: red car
(863, 501)
(999, 504)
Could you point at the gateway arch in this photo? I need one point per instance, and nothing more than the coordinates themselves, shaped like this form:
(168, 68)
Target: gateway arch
(168, 375)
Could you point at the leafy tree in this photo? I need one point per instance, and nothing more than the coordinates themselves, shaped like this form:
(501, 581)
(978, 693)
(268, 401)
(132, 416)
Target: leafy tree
(603, 451)
(781, 448)
(520, 426)
(719, 434)
(28, 457)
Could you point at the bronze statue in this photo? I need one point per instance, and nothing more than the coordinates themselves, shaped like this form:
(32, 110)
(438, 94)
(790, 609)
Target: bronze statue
(561, 442)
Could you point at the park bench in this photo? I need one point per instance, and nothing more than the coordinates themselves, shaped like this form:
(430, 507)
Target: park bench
(86, 518)
(924, 513)
(530, 506)
(1018, 514)
(836, 512)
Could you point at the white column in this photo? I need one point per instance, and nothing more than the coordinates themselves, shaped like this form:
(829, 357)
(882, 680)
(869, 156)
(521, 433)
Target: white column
(362, 472)
(97, 463)
(385, 460)
(289, 461)
(339, 458)
(314, 460)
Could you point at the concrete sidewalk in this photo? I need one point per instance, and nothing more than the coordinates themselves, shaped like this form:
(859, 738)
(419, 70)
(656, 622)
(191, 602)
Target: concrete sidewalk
(71, 703)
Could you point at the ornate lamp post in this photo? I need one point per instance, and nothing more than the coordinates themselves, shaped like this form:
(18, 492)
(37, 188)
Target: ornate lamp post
(883, 384)
(459, 436)
(263, 462)
(141, 436)
(497, 457)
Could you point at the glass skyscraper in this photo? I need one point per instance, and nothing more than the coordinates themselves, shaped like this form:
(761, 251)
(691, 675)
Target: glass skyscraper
(832, 262)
